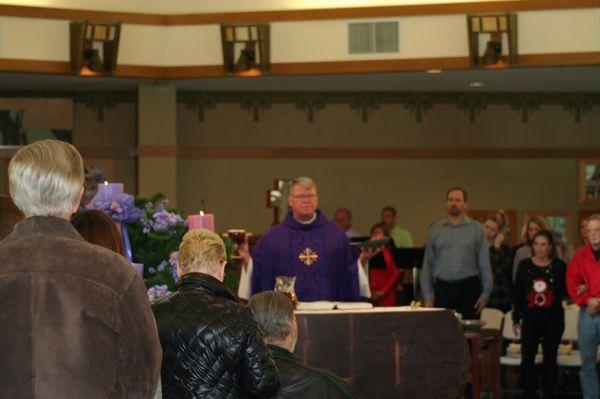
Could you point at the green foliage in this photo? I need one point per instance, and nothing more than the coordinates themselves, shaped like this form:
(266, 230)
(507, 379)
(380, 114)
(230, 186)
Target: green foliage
(152, 247)
(231, 280)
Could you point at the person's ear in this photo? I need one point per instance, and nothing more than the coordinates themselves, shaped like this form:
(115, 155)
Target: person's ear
(222, 270)
(295, 328)
(78, 201)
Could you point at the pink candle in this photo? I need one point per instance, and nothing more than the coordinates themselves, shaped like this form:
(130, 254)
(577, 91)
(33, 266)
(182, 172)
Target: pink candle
(201, 221)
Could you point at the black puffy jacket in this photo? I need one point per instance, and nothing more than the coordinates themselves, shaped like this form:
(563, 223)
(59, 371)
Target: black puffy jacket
(299, 381)
(212, 345)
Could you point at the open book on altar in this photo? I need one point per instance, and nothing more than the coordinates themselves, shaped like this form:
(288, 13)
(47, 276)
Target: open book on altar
(329, 305)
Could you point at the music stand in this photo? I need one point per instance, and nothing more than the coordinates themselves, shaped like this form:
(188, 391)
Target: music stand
(409, 258)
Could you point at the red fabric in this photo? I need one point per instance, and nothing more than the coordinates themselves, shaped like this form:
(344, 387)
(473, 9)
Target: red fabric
(385, 280)
(583, 269)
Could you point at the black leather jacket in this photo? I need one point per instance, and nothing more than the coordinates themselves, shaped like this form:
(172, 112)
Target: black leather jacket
(212, 345)
(301, 381)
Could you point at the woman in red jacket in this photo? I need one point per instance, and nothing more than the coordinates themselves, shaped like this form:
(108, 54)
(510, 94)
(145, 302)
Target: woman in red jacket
(382, 270)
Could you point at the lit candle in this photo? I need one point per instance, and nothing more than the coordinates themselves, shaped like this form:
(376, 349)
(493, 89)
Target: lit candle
(109, 190)
(201, 221)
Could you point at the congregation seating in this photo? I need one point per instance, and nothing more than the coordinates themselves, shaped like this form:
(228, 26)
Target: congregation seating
(568, 360)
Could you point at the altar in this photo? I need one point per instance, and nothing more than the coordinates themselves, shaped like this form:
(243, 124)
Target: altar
(388, 352)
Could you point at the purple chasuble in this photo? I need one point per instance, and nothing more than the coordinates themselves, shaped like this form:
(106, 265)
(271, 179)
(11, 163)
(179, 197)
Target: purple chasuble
(318, 254)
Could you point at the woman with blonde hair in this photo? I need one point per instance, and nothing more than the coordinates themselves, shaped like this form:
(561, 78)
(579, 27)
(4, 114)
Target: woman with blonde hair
(533, 224)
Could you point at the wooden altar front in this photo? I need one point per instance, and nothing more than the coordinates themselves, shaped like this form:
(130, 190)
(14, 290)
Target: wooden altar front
(388, 352)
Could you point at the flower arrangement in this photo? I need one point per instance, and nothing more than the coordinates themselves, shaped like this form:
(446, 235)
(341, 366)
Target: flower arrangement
(154, 237)
(154, 232)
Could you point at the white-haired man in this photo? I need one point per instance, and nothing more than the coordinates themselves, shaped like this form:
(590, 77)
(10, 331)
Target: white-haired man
(275, 315)
(213, 347)
(76, 318)
(583, 283)
(306, 245)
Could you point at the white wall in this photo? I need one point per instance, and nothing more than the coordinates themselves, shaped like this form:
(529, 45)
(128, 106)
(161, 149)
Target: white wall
(561, 31)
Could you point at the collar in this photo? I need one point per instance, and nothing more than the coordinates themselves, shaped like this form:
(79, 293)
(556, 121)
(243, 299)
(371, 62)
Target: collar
(312, 219)
(44, 225)
(205, 283)
(596, 253)
(590, 253)
(319, 220)
(281, 353)
(464, 220)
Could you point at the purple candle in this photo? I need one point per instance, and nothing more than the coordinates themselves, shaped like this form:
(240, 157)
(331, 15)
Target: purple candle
(109, 190)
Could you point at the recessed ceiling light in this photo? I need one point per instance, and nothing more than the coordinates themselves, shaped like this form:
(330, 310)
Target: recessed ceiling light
(476, 84)
(433, 70)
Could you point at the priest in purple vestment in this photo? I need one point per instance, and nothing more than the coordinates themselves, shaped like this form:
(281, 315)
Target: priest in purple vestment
(305, 245)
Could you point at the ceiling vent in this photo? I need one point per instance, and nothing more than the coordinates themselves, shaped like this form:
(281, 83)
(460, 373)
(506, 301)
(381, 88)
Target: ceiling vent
(373, 37)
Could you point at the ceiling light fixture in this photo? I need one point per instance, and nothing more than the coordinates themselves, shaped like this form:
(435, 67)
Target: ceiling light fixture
(476, 84)
(433, 70)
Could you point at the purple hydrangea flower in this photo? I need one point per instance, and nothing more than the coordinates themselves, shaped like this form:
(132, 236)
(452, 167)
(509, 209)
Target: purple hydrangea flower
(158, 291)
(158, 219)
(173, 259)
(161, 266)
(121, 208)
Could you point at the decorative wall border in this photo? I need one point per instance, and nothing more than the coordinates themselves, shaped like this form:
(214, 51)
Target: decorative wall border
(304, 68)
(365, 103)
(99, 101)
(380, 153)
(181, 152)
(311, 103)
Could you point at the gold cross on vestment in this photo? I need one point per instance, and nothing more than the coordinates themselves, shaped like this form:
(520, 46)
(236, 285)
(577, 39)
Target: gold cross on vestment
(308, 256)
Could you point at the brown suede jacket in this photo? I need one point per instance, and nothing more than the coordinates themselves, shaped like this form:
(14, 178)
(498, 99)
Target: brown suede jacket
(75, 321)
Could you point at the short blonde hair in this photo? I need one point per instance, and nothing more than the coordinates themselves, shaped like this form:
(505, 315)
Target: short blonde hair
(46, 178)
(201, 251)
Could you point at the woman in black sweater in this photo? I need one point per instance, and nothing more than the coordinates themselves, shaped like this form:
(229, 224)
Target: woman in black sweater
(537, 311)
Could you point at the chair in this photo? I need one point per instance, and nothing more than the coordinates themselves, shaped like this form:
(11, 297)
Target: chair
(573, 359)
(509, 335)
(493, 318)
(568, 363)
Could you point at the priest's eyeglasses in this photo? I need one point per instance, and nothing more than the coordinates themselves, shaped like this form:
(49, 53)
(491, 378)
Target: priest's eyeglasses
(306, 197)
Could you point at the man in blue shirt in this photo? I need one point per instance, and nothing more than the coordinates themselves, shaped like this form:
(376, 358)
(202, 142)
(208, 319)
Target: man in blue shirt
(456, 269)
